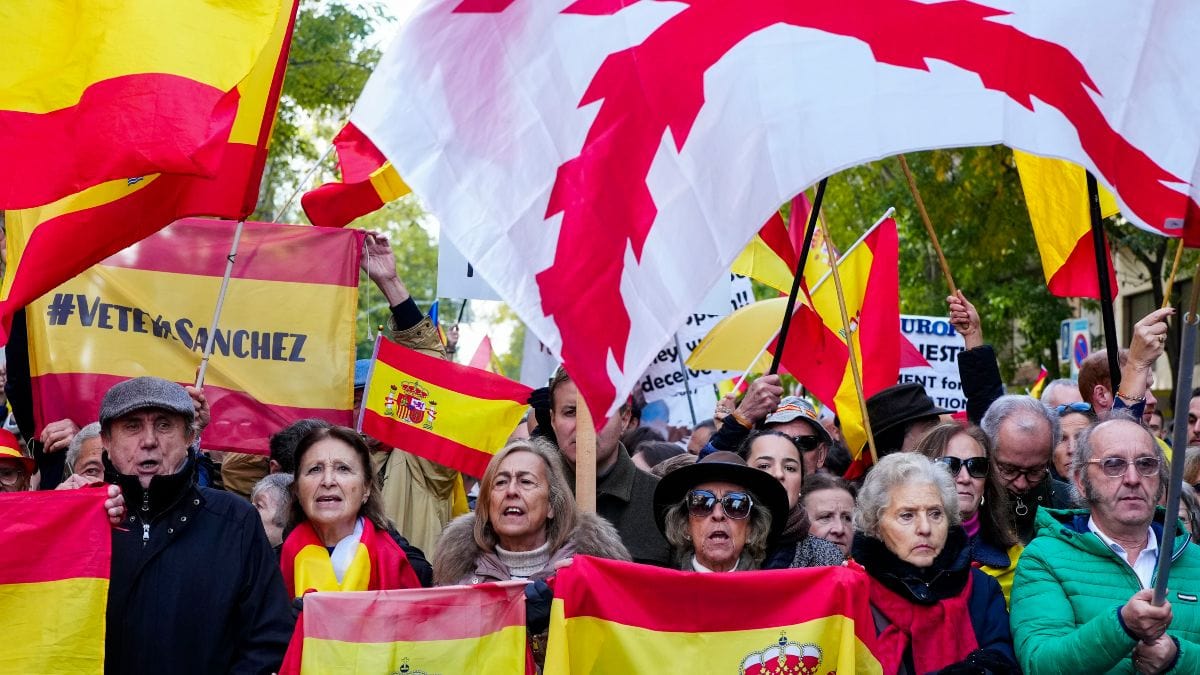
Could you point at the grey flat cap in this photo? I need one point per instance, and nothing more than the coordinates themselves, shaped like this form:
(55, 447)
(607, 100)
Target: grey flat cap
(146, 392)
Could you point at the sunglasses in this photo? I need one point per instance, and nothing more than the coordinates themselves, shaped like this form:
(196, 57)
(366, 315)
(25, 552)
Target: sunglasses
(736, 505)
(806, 443)
(1115, 467)
(977, 467)
(1078, 407)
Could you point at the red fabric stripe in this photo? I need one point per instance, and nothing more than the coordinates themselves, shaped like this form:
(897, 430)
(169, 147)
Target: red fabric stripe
(48, 536)
(689, 602)
(240, 423)
(358, 157)
(815, 355)
(338, 204)
(125, 126)
(775, 236)
(390, 568)
(451, 613)
(879, 322)
(462, 379)
(1077, 278)
(798, 221)
(267, 252)
(422, 443)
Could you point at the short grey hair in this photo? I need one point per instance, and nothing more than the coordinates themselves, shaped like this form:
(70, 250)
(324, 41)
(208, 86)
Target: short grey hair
(1013, 405)
(276, 486)
(901, 468)
(1085, 449)
(85, 434)
(676, 528)
(1055, 384)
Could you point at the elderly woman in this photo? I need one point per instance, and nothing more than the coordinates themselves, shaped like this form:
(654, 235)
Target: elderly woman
(829, 502)
(782, 457)
(525, 526)
(339, 539)
(15, 468)
(932, 609)
(720, 515)
(982, 500)
(1073, 418)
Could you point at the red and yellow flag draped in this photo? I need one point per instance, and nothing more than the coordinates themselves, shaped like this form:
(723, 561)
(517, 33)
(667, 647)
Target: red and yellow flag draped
(752, 623)
(93, 92)
(1057, 198)
(55, 549)
(454, 415)
(368, 182)
(285, 345)
(455, 629)
(51, 243)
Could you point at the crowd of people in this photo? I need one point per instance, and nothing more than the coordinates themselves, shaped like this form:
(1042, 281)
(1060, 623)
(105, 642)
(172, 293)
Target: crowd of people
(1024, 537)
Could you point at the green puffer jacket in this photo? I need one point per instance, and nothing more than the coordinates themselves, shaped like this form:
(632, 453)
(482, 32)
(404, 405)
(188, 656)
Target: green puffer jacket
(1069, 587)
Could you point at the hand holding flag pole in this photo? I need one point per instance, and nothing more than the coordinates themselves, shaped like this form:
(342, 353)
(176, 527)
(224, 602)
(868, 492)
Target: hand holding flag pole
(937, 247)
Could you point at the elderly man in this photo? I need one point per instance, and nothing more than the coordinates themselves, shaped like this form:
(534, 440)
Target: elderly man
(84, 462)
(1023, 432)
(1061, 392)
(1081, 600)
(195, 587)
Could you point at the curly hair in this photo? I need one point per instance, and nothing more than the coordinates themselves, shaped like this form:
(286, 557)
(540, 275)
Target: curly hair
(901, 468)
(677, 529)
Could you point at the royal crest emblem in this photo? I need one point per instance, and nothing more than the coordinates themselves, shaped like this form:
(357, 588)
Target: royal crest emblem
(784, 658)
(406, 669)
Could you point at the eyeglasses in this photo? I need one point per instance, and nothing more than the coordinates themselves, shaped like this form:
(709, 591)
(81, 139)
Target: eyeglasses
(1077, 407)
(1010, 473)
(977, 467)
(737, 505)
(11, 475)
(806, 443)
(1115, 467)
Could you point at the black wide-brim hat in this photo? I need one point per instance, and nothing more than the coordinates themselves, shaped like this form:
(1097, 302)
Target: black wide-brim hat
(898, 404)
(725, 467)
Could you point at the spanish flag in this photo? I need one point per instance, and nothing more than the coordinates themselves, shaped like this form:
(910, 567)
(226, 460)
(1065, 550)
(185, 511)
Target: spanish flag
(455, 415)
(1035, 390)
(368, 182)
(454, 629)
(53, 242)
(772, 255)
(92, 92)
(618, 617)
(1057, 198)
(55, 550)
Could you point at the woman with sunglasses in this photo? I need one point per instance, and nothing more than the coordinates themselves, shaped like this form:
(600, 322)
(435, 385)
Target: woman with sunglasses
(1073, 418)
(782, 456)
(720, 515)
(982, 500)
(934, 612)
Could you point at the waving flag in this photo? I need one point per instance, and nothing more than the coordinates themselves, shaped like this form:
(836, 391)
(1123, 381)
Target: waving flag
(50, 244)
(772, 255)
(93, 92)
(602, 162)
(455, 415)
(755, 623)
(368, 182)
(54, 556)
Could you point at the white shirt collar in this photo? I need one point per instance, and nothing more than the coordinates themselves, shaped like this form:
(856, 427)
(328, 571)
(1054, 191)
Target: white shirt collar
(701, 568)
(1146, 561)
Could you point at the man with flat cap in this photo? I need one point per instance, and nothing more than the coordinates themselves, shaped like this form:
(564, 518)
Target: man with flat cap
(195, 587)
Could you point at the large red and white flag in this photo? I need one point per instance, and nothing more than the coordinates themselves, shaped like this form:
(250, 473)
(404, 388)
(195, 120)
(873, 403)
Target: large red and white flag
(602, 162)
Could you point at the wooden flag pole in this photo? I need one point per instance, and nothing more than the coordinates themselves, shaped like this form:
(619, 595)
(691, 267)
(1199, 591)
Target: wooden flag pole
(1171, 279)
(937, 247)
(212, 327)
(585, 457)
(1106, 294)
(858, 386)
(803, 255)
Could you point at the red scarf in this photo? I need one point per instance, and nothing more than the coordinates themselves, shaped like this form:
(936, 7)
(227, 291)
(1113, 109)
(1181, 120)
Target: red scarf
(940, 634)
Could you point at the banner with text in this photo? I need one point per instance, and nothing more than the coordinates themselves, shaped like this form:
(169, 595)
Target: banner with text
(939, 343)
(283, 350)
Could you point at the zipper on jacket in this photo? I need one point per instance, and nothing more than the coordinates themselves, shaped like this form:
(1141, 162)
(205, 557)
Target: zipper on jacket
(145, 533)
(145, 517)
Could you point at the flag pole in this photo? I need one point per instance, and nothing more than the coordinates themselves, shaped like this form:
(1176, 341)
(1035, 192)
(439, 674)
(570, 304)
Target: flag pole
(803, 258)
(937, 247)
(1171, 279)
(585, 457)
(1106, 294)
(1183, 384)
(687, 387)
(742, 380)
(858, 386)
(212, 327)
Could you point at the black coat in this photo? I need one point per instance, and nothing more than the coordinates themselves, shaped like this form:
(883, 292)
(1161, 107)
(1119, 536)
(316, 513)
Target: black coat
(195, 585)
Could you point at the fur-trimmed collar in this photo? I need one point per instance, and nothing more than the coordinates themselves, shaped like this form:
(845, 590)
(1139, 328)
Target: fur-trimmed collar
(459, 559)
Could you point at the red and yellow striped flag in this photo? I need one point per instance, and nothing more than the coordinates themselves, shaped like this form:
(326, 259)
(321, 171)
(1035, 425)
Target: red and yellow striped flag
(603, 620)
(772, 255)
(55, 549)
(93, 92)
(455, 629)
(51, 243)
(368, 182)
(454, 415)
(284, 349)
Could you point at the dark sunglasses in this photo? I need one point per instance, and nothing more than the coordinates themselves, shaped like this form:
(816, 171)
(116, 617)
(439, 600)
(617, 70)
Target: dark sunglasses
(977, 467)
(806, 443)
(1078, 407)
(736, 505)
(1115, 467)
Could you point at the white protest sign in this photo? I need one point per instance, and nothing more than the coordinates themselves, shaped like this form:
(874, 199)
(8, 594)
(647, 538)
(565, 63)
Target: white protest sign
(457, 277)
(664, 377)
(940, 344)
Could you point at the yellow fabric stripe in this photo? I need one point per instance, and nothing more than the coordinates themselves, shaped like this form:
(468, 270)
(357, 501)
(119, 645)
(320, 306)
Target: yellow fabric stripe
(276, 311)
(53, 626)
(388, 183)
(499, 653)
(591, 645)
(479, 423)
(313, 569)
(53, 51)
(760, 263)
(255, 88)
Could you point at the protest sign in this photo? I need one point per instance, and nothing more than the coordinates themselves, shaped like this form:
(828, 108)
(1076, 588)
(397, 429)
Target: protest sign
(940, 344)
